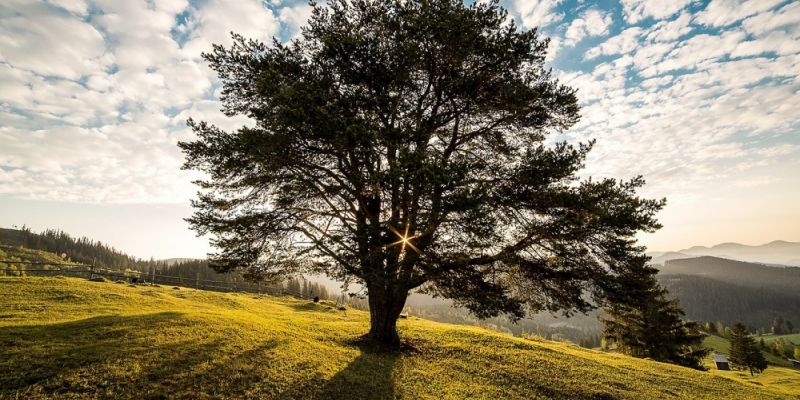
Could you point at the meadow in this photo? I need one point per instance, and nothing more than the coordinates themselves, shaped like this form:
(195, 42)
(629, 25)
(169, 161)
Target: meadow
(68, 338)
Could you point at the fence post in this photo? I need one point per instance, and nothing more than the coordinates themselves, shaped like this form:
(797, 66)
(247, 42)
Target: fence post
(153, 279)
(91, 272)
(197, 280)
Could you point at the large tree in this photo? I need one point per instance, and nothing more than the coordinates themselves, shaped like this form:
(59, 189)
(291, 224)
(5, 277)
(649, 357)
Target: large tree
(406, 144)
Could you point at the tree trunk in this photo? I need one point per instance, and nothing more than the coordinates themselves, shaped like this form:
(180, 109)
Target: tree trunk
(384, 310)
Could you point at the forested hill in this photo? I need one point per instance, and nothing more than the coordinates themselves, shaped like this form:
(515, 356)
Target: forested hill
(87, 251)
(784, 279)
(65, 248)
(81, 250)
(708, 299)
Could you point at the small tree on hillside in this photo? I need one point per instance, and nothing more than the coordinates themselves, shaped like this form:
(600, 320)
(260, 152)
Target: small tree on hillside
(778, 326)
(646, 323)
(778, 348)
(744, 353)
(402, 145)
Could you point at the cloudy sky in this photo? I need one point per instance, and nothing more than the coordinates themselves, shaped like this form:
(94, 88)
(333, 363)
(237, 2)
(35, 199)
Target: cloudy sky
(700, 97)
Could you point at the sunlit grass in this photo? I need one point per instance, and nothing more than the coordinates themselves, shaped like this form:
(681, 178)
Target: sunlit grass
(70, 338)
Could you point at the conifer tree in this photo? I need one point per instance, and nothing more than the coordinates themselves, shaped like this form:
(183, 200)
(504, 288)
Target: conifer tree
(647, 324)
(744, 353)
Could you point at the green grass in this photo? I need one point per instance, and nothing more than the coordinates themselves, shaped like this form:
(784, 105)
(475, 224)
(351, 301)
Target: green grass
(16, 253)
(791, 337)
(67, 338)
(722, 345)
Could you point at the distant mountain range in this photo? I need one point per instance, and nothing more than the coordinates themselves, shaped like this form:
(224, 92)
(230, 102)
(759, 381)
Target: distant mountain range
(779, 252)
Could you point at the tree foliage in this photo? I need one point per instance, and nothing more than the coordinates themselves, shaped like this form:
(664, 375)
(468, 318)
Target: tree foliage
(646, 323)
(404, 145)
(744, 353)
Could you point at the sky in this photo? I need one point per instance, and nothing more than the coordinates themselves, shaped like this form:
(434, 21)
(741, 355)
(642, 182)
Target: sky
(702, 98)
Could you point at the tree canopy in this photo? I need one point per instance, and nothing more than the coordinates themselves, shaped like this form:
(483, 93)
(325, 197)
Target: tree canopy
(412, 144)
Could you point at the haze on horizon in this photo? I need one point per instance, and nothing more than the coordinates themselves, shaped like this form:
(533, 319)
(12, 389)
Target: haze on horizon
(700, 97)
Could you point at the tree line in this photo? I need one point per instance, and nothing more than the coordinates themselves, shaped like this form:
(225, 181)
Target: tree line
(709, 299)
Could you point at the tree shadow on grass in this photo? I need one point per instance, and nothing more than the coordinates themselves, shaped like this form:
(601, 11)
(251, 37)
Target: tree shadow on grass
(136, 356)
(370, 376)
(312, 307)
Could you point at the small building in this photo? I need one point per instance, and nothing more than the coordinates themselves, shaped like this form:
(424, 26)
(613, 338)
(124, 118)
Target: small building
(795, 363)
(721, 362)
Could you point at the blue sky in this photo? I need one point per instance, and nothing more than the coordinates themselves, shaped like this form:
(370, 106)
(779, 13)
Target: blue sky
(700, 97)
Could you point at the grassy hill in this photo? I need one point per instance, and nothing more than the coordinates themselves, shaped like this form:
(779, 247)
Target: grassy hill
(787, 379)
(69, 338)
(721, 345)
(790, 337)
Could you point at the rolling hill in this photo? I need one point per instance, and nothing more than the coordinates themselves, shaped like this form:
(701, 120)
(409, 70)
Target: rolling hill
(784, 279)
(68, 338)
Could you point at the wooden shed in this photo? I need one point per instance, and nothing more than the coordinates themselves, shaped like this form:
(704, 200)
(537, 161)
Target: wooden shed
(721, 362)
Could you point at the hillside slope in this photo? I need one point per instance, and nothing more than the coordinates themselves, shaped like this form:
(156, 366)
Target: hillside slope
(707, 299)
(786, 279)
(70, 338)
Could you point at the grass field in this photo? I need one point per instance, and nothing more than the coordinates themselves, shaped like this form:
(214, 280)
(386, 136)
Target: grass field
(67, 338)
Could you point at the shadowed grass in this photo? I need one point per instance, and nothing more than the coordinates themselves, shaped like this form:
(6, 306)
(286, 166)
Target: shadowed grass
(65, 338)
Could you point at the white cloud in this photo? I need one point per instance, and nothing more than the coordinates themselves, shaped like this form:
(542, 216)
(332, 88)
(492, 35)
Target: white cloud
(294, 17)
(696, 51)
(665, 31)
(785, 17)
(726, 12)
(623, 43)
(592, 22)
(214, 21)
(537, 13)
(780, 43)
(637, 10)
(48, 43)
(78, 7)
(97, 117)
